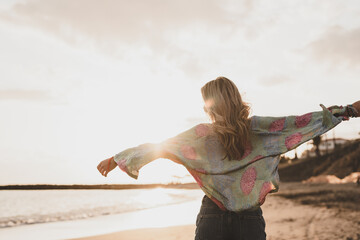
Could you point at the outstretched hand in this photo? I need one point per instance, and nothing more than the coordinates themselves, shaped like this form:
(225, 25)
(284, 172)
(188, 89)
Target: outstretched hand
(106, 166)
(356, 105)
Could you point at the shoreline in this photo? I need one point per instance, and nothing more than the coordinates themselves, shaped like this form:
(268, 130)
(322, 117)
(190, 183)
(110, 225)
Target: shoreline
(98, 186)
(297, 211)
(185, 215)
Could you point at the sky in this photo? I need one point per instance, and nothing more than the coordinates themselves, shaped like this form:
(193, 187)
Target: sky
(81, 80)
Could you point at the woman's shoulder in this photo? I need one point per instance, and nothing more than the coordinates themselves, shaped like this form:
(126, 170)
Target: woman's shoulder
(203, 129)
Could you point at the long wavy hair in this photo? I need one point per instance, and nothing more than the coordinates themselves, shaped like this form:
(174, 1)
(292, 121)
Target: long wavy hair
(229, 115)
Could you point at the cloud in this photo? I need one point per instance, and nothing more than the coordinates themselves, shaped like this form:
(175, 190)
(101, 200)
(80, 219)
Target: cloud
(113, 25)
(20, 94)
(274, 80)
(337, 46)
(113, 21)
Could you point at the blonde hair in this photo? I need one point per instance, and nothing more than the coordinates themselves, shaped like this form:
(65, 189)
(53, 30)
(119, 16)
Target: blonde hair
(229, 114)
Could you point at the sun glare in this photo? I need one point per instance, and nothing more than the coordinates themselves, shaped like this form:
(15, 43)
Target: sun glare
(164, 171)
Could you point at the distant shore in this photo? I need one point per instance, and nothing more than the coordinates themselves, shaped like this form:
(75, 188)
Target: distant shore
(98, 186)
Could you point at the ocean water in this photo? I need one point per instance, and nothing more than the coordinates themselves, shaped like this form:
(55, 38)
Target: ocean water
(21, 207)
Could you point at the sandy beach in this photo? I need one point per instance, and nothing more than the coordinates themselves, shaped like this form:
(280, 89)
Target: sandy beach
(298, 211)
(285, 218)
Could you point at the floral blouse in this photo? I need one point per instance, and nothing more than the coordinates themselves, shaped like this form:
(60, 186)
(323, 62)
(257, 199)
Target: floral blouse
(239, 184)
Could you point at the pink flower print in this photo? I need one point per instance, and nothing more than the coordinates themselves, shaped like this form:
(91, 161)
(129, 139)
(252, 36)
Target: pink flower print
(277, 125)
(293, 140)
(247, 181)
(265, 189)
(303, 120)
(188, 152)
(122, 165)
(202, 130)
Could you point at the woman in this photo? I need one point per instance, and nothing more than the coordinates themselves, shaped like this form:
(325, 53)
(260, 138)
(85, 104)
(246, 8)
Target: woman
(234, 159)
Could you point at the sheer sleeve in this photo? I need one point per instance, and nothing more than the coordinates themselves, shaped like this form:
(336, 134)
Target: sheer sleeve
(277, 135)
(133, 159)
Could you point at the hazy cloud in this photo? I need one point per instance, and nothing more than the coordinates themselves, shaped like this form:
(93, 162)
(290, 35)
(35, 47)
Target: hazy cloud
(113, 25)
(20, 94)
(337, 46)
(274, 80)
(113, 21)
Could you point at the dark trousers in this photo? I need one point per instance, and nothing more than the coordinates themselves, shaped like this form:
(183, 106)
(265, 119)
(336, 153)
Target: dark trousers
(213, 223)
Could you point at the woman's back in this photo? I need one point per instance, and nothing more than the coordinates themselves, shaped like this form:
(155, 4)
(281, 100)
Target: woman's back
(235, 158)
(234, 184)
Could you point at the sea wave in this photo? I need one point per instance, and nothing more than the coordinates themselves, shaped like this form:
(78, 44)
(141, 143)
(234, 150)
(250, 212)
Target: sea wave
(42, 206)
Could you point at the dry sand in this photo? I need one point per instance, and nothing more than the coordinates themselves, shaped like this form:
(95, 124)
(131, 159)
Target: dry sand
(297, 218)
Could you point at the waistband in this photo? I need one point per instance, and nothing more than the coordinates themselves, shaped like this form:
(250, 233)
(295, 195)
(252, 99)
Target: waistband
(208, 206)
